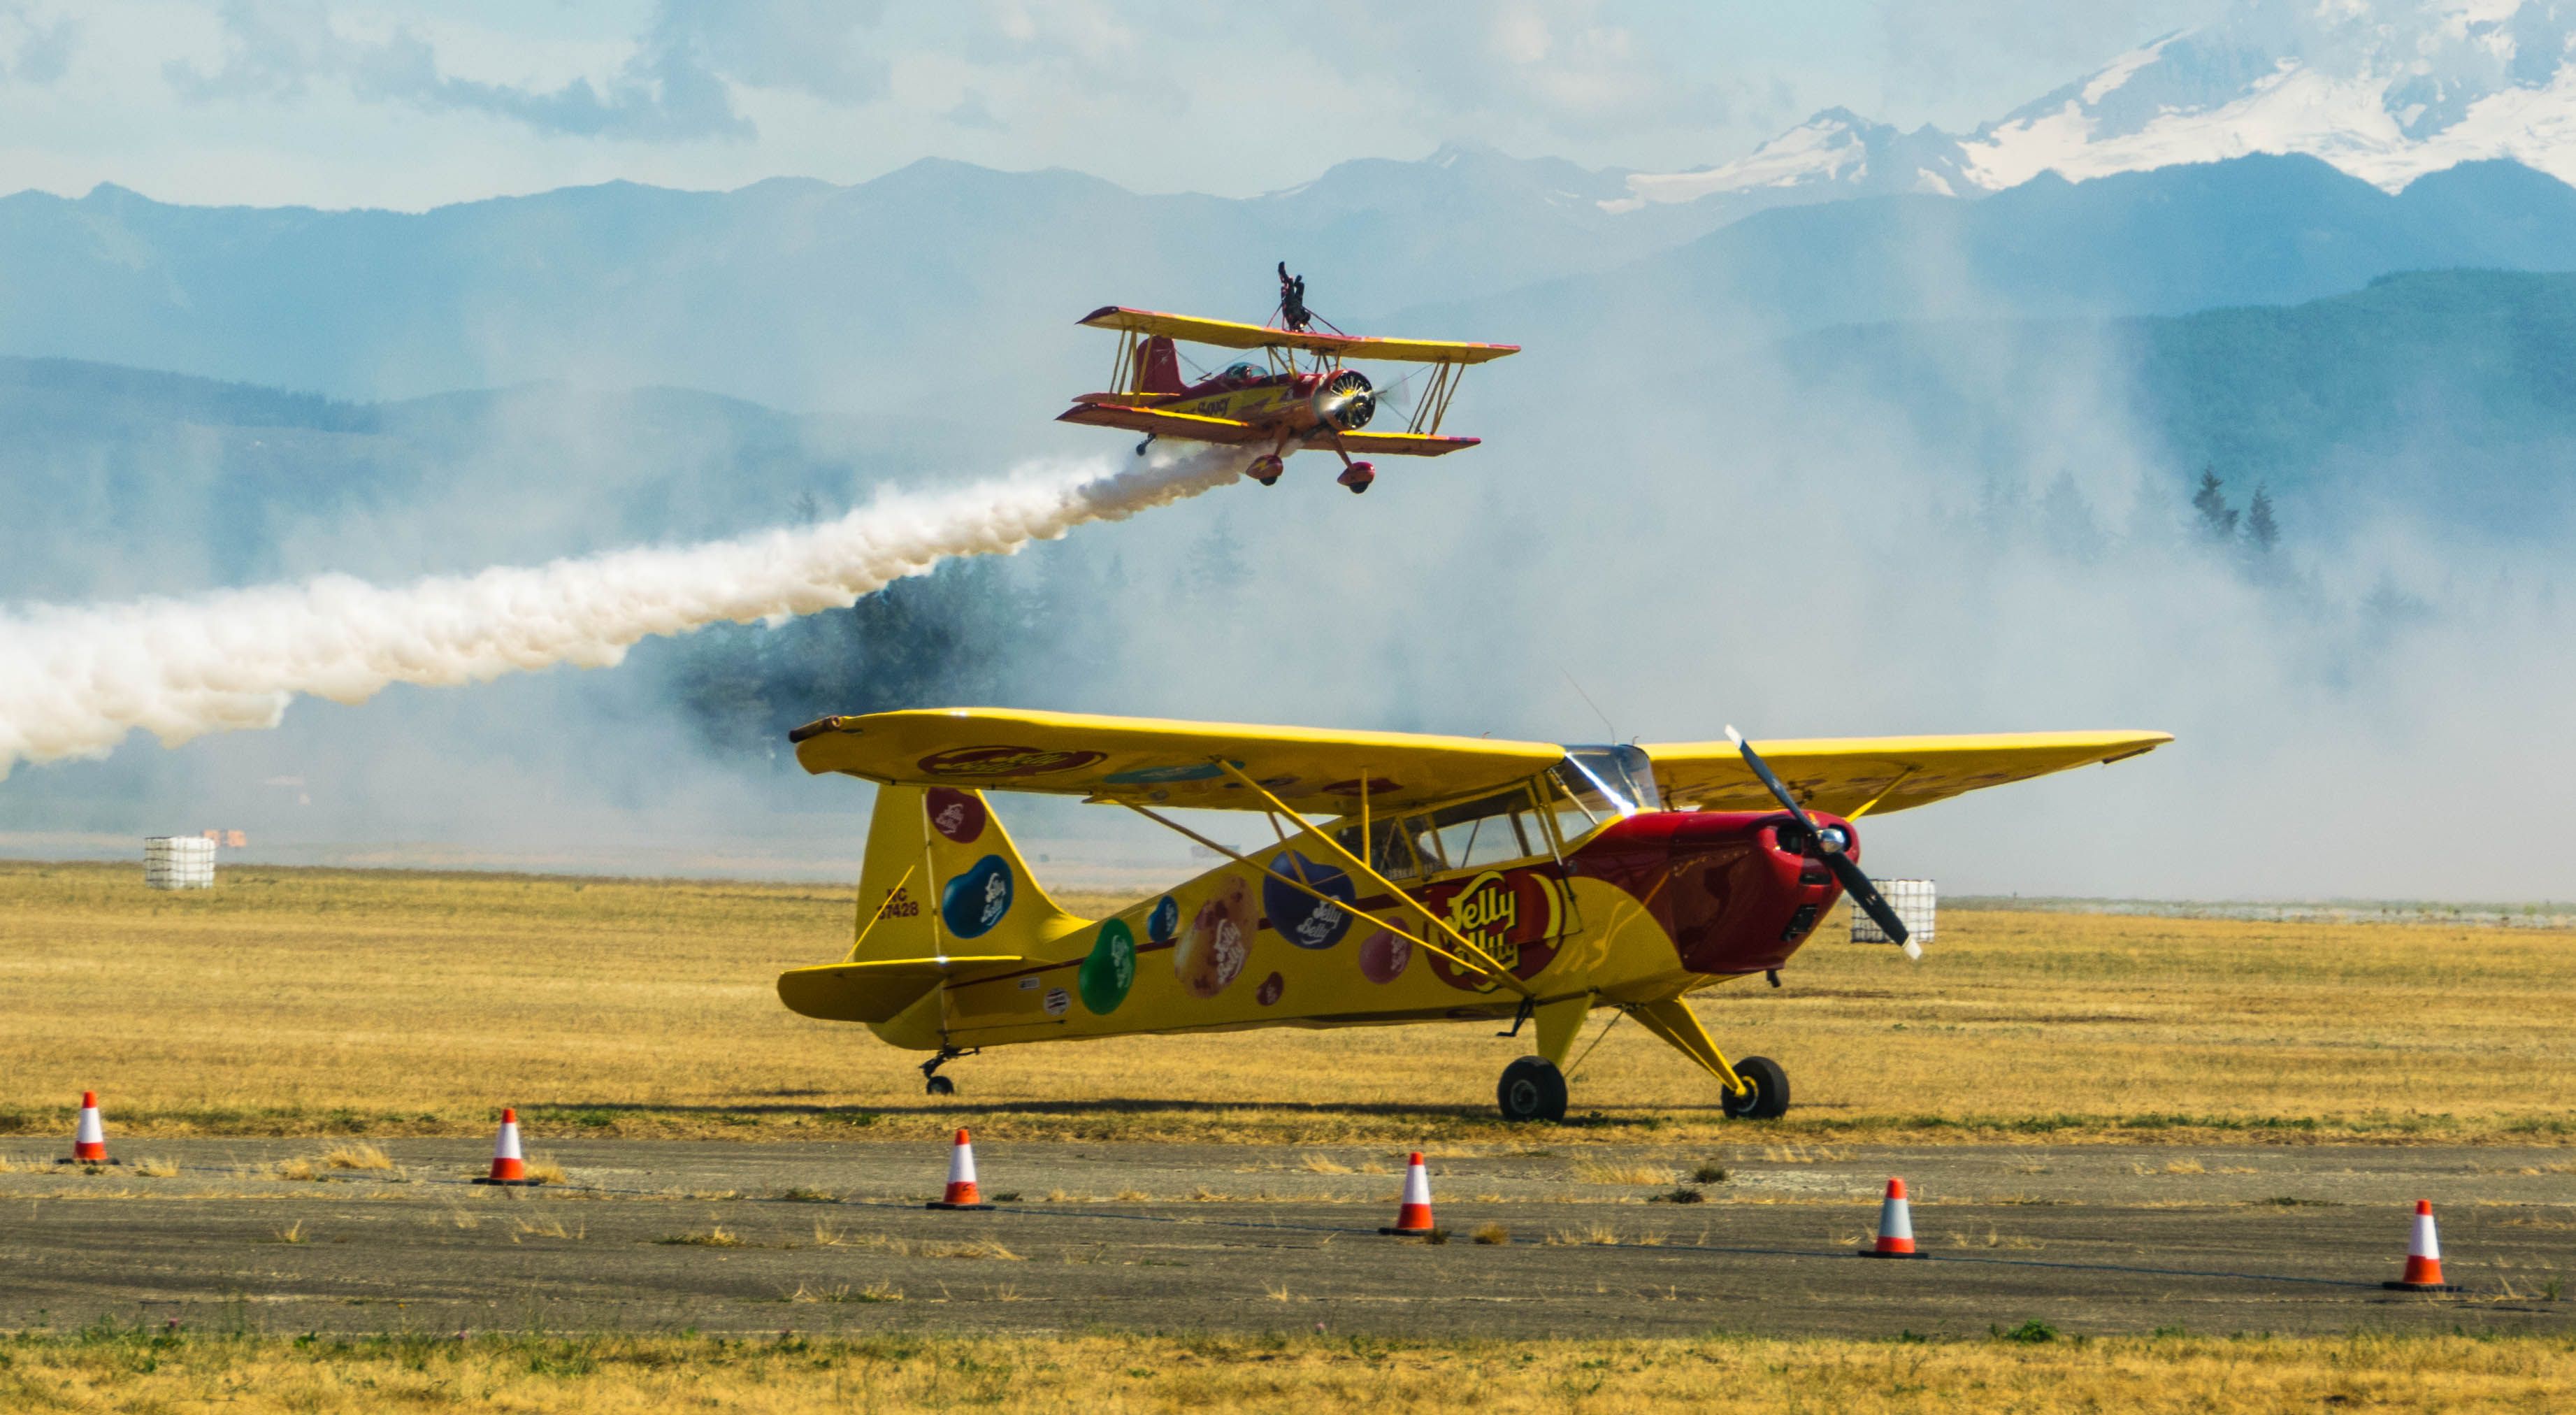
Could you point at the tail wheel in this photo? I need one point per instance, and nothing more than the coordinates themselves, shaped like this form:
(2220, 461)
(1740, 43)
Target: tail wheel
(1532, 1089)
(1769, 1097)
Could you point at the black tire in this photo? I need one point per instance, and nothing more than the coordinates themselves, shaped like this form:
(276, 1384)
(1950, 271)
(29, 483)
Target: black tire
(1770, 1097)
(1532, 1089)
(941, 1086)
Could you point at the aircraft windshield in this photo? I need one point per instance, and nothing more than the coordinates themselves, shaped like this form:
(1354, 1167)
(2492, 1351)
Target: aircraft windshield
(1617, 779)
(1244, 373)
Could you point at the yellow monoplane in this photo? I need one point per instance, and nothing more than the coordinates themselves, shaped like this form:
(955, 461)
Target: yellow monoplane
(1415, 879)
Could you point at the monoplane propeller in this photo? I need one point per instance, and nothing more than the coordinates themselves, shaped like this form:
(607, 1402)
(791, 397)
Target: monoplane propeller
(1833, 844)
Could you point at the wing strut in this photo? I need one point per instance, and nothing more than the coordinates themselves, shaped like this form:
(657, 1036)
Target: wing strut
(1485, 965)
(1303, 887)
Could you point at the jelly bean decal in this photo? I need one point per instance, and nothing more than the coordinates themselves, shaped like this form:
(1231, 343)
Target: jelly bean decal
(959, 815)
(1110, 970)
(1211, 953)
(1164, 924)
(1301, 918)
(976, 900)
(1384, 956)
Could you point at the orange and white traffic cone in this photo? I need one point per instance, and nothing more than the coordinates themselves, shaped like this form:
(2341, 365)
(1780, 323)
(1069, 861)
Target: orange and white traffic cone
(508, 1165)
(2423, 1256)
(1895, 1225)
(89, 1137)
(1414, 1215)
(961, 1193)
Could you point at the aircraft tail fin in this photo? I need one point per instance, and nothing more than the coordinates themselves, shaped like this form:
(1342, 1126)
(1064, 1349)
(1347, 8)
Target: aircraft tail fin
(942, 879)
(1159, 369)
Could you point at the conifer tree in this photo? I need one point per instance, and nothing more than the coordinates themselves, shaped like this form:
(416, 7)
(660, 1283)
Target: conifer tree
(2217, 518)
(2259, 524)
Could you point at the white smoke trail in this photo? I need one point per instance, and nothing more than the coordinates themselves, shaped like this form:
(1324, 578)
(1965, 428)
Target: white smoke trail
(74, 680)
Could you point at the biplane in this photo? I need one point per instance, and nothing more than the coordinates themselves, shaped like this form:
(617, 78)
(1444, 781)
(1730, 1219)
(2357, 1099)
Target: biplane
(1413, 879)
(1302, 394)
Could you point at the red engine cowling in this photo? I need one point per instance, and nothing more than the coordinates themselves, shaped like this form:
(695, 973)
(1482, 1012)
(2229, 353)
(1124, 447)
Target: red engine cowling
(1720, 882)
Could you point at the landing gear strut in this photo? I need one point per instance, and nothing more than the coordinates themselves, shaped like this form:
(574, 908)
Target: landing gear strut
(932, 1081)
(1532, 1089)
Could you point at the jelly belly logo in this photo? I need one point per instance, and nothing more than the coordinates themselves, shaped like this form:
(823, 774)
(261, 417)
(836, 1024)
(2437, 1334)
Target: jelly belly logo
(1003, 761)
(958, 815)
(976, 900)
(1513, 918)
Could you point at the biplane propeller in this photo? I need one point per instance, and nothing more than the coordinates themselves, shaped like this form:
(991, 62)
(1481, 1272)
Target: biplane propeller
(1414, 879)
(1302, 395)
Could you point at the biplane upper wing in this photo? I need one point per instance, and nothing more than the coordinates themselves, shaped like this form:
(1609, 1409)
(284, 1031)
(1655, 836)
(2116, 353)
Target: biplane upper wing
(1188, 426)
(1226, 334)
(1151, 761)
(1881, 774)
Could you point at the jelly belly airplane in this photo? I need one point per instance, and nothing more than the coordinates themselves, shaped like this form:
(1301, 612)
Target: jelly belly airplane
(1281, 402)
(1414, 879)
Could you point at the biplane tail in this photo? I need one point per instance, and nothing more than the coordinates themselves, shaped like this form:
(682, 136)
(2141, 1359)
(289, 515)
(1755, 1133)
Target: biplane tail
(1159, 370)
(943, 894)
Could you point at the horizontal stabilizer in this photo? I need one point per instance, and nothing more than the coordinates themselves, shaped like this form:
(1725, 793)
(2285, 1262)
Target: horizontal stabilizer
(876, 991)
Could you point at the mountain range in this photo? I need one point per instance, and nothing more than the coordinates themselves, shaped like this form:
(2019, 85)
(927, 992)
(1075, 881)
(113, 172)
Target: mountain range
(2385, 93)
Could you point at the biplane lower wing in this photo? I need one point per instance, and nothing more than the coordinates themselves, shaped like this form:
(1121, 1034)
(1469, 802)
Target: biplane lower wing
(1149, 761)
(1186, 426)
(1399, 444)
(1849, 775)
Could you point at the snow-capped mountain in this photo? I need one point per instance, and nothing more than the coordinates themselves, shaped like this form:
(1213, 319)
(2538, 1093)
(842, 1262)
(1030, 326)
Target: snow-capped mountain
(2386, 92)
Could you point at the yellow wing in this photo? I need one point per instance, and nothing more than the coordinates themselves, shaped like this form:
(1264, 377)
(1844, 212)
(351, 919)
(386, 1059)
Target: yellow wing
(1189, 427)
(1151, 761)
(1845, 774)
(1403, 444)
(1226, 334)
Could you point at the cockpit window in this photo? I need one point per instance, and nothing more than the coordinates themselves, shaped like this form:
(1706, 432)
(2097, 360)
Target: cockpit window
(1613, 780)
(1241, 374)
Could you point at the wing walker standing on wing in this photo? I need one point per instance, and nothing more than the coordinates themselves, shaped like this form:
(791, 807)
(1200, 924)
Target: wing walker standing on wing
(1302, 394)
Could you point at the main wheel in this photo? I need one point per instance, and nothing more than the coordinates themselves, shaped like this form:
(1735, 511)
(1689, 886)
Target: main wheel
(941, 1086)
(1769, 1099)
(1532, 1089)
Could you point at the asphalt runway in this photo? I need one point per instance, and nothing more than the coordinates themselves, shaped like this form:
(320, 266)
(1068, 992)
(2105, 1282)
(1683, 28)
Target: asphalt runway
(1153, 1237)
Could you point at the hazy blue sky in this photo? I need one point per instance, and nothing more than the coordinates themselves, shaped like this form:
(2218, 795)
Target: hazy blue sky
(346, 103)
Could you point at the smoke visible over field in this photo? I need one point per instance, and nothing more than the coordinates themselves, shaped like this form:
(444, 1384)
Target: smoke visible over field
(75, 680)
(1691, 502)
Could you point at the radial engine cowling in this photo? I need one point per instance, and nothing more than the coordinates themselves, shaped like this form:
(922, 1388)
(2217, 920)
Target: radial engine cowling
(1345, 401)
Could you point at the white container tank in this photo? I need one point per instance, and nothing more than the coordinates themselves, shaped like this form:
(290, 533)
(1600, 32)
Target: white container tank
(179, 862)
(1912, 899)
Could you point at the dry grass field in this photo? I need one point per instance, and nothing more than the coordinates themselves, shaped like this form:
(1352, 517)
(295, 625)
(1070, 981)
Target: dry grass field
(355, 1003)
(2023, 1370)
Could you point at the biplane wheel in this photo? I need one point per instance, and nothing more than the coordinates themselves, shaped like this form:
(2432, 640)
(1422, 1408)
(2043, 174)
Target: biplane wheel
(1266, 470)
(1532, 1089)
(940, 1086)
(1357, 477)
(1770, 1097)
